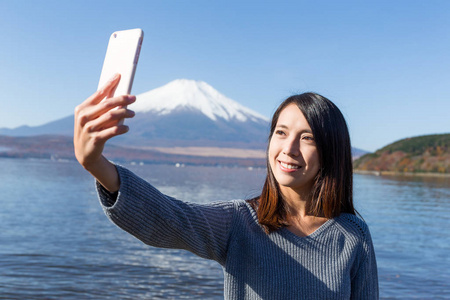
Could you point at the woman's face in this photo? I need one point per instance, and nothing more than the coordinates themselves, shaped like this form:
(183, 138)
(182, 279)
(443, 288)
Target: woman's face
(293, 155)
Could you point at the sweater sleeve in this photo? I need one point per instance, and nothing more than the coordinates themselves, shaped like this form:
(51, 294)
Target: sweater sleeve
(365, 280)
(162, 221)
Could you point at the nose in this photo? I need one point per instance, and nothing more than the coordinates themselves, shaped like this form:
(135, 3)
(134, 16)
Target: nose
(292, 147)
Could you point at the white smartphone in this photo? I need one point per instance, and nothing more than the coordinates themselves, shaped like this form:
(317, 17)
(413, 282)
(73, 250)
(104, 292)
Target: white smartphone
(122, 56)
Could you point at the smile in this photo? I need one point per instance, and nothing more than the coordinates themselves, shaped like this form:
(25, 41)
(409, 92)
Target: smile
(288, 167)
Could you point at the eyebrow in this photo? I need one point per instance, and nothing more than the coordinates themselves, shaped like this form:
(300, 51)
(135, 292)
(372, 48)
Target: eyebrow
(286, 127)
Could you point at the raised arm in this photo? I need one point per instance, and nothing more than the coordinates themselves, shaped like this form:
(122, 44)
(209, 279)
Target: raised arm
(97, 120)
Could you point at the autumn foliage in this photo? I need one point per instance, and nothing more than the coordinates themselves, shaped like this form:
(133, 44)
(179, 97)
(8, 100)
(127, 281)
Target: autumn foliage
(430, 153)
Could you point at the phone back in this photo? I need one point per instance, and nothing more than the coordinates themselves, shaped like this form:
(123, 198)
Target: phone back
(121, 57)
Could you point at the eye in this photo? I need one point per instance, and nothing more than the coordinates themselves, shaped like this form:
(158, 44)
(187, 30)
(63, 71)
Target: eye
(308, 138)
(280, 132)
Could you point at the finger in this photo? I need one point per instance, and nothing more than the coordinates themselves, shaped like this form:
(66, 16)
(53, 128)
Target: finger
(111, 132)
(111, 92)
(113, 104)
(104, 91)
(116, 119)
(86, 114)
(110, 87)
(109, 119)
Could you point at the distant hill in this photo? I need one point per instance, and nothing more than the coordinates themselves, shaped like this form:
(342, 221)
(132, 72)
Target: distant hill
(422, 154)
(60, 148)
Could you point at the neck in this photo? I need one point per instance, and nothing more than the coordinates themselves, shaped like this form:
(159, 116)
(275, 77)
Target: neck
(299, 219)
(296, 202)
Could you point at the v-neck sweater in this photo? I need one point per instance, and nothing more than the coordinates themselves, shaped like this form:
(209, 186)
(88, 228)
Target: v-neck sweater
(337, 261)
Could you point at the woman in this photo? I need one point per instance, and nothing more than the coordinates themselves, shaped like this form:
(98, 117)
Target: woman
(300, 239)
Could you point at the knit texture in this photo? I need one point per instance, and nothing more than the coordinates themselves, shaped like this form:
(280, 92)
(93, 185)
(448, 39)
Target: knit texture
(337, 261)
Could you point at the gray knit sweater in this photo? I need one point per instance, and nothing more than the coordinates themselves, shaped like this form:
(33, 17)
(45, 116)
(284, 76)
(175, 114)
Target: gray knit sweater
(337, 261)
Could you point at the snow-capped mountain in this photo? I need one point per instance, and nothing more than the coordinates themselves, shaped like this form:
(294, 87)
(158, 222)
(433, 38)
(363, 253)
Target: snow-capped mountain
(192, 113)
(180, 113)
(194, 95)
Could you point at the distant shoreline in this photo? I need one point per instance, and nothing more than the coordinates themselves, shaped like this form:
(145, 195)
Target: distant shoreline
(407, 174)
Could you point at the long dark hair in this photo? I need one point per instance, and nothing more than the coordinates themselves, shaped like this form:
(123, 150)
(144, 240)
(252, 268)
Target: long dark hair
(332, 193)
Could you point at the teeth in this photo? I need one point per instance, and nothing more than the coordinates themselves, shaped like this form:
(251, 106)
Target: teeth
(288, 166)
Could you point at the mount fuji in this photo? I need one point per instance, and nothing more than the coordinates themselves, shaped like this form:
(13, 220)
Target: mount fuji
(183, 121)
(182, 113)
(183, 94)
(192, 113)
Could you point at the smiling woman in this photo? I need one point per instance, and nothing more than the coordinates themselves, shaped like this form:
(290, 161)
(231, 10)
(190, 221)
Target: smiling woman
(293, 156)
(309, 164)
(300, 239)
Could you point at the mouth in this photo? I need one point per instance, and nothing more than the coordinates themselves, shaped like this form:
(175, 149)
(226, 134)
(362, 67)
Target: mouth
(288, 167)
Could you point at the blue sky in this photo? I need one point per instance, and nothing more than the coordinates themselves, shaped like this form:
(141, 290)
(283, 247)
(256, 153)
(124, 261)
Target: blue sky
(384, 63)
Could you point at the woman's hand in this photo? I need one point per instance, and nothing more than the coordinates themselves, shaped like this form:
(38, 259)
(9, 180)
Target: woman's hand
(97, 120)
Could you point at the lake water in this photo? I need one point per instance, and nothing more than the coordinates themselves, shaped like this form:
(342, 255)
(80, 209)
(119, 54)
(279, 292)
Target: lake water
(56, 243)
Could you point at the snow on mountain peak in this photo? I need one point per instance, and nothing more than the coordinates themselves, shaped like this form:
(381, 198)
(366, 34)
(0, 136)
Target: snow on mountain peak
(195, 95)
